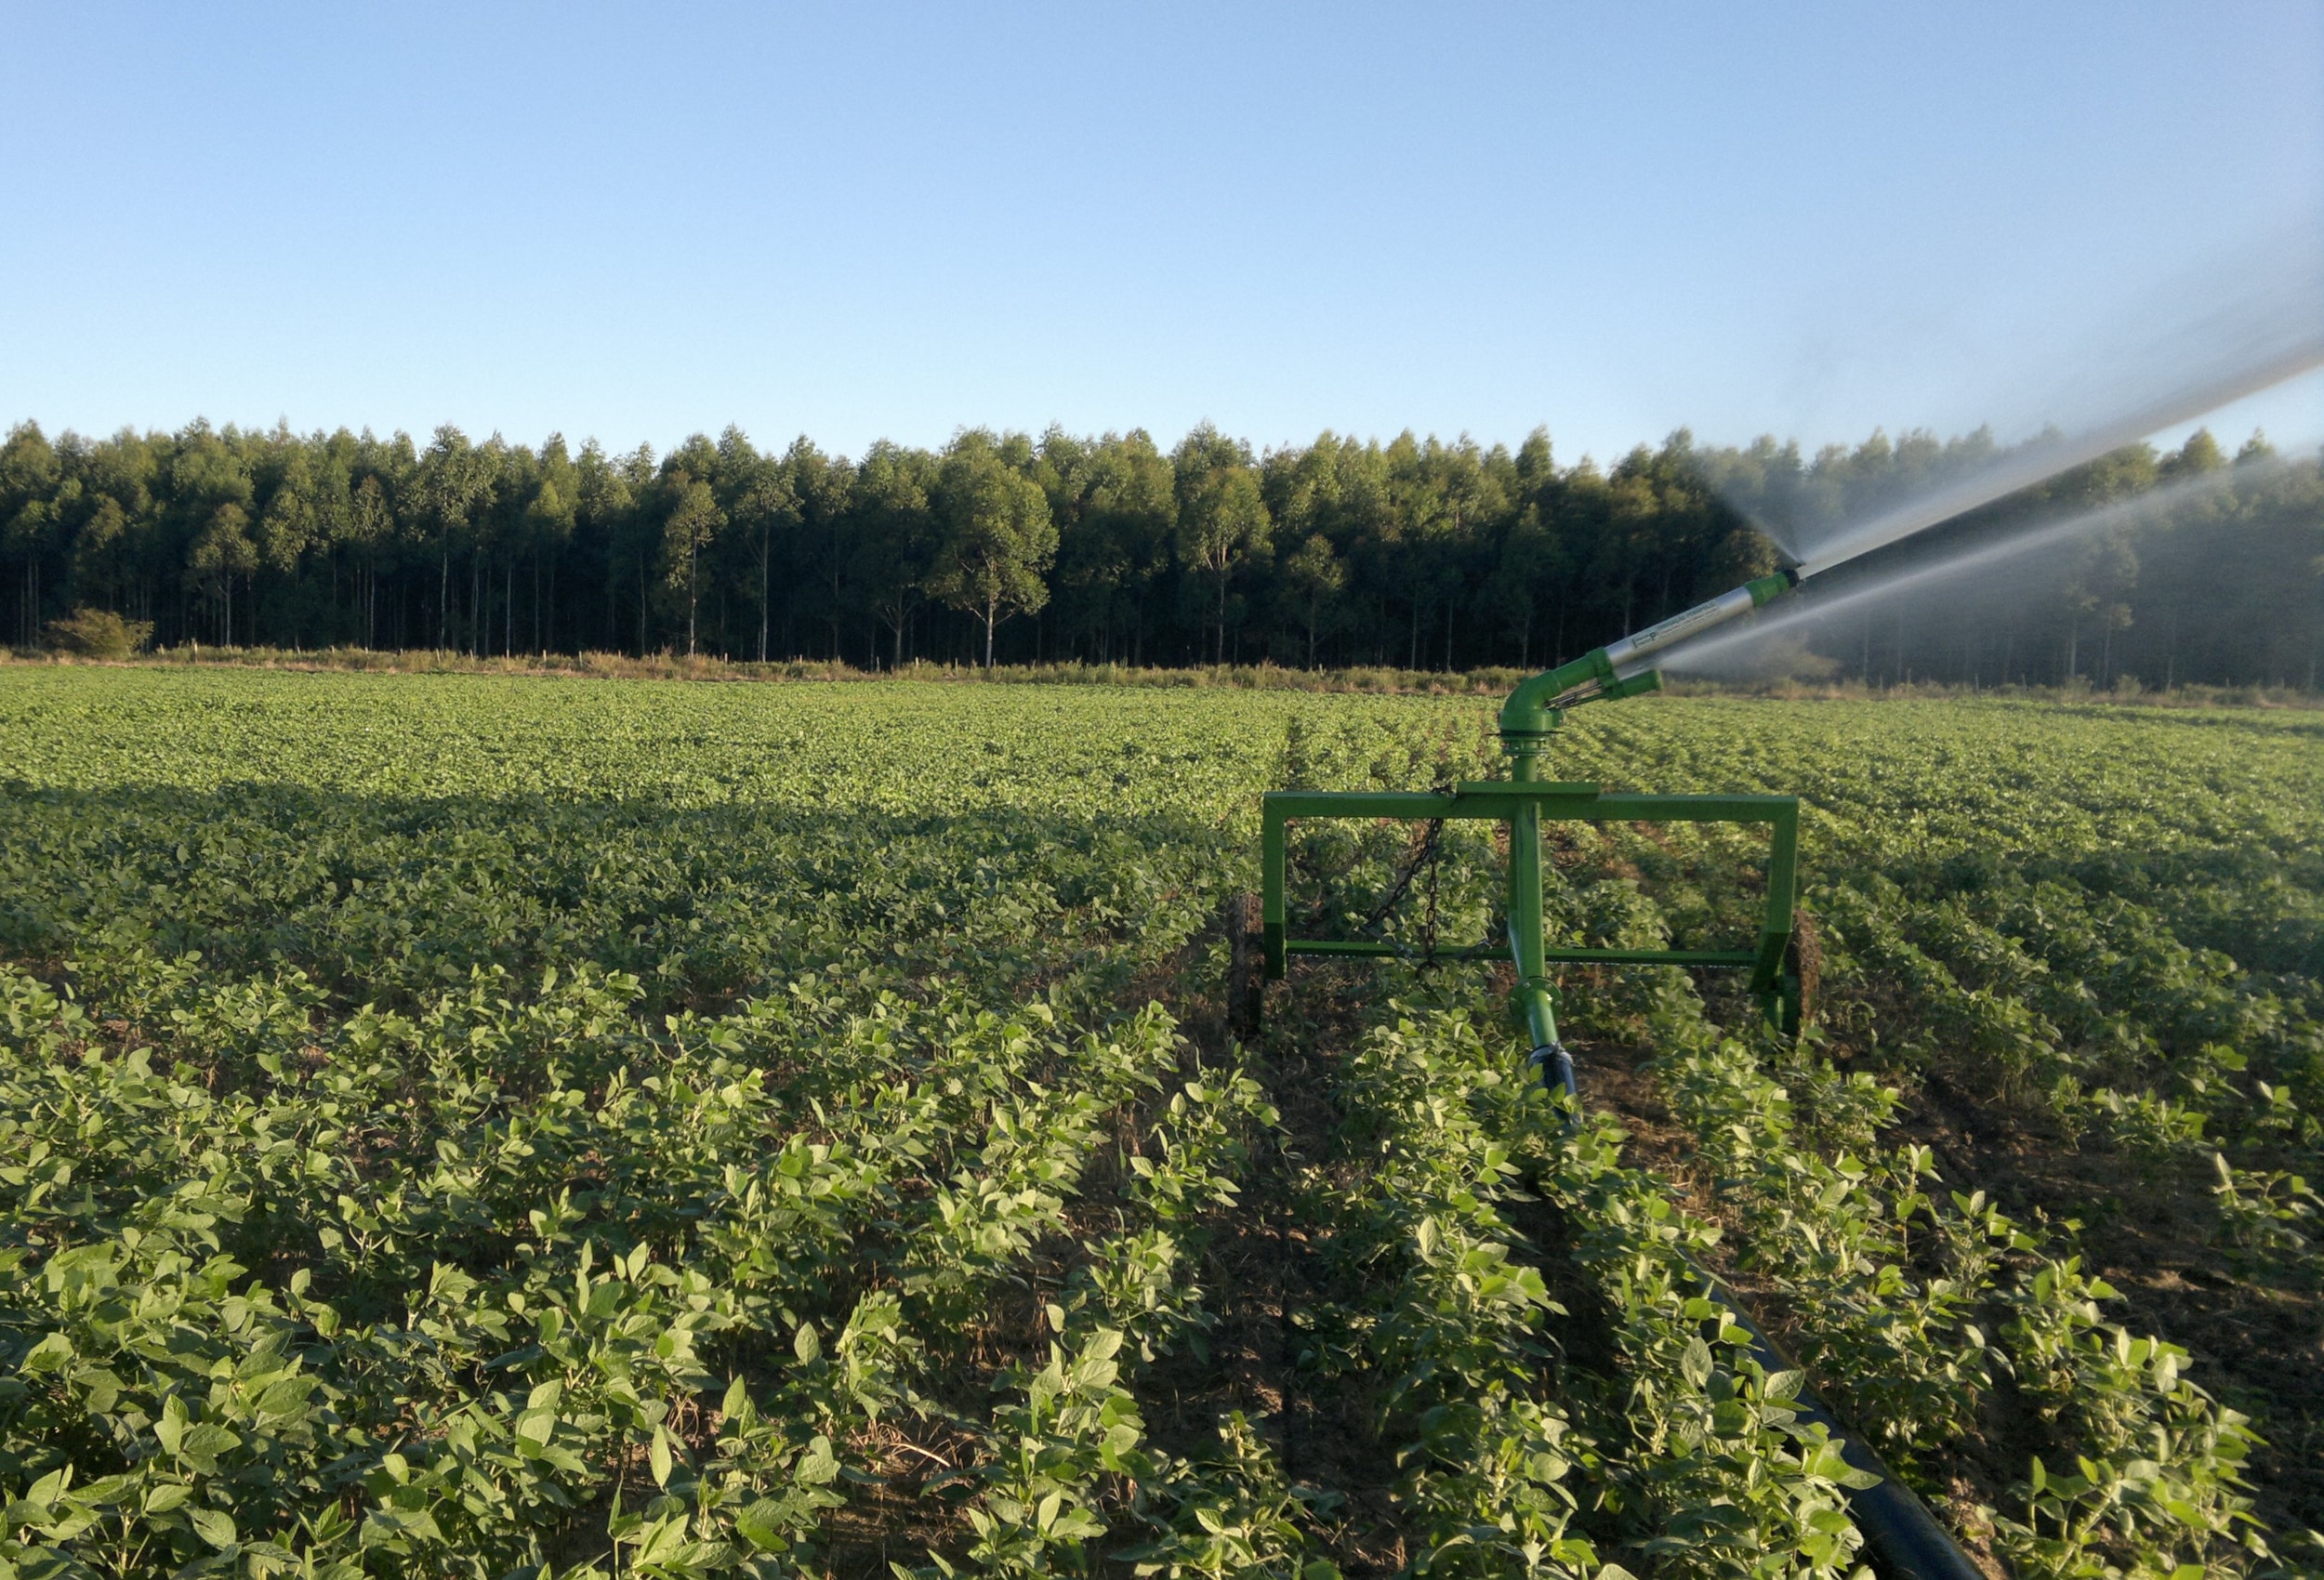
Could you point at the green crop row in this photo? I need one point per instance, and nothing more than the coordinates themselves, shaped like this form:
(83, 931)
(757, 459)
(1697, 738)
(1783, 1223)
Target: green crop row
(454, 1125)
(1690, 1457)
(2158, 1466)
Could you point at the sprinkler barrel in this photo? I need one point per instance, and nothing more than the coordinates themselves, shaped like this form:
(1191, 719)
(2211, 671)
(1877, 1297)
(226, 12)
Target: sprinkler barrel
(1702, 618)
(1532, 709)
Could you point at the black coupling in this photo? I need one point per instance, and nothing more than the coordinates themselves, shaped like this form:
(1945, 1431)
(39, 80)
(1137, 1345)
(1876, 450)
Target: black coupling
(1557, 1074)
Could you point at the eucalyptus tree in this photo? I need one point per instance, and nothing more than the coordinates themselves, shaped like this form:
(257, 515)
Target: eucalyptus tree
(692, 522)
(222, 553)
(604, 502)
(495, 528)
(209, 471)
(997, 539)
(96, 548)
(370, 532)
(638, 543)
(897, 535)
(29, 475)
(1338, 486)
(1223, 519)
(451, 480)
(1456, 494)
(288, 525)
(755, 491)
(821, 485)
(113, 545)
(1313, 579)
(1117, 508)
(550, 519)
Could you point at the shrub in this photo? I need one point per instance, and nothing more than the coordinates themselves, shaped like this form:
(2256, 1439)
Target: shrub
(99, 633)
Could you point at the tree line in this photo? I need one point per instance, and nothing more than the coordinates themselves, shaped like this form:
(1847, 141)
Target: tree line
(1004, 546)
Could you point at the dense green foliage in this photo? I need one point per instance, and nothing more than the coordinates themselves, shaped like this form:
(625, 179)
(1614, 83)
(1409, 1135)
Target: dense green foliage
(467, 1125)
(1417, 554)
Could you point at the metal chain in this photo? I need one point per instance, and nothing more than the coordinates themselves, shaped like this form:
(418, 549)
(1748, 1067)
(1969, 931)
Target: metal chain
(1428, 920)
(1425, 855)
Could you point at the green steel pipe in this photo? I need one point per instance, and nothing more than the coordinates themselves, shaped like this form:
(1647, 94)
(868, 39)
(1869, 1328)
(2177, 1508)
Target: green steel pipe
(1536, 999)
(1558, 956)
(1346, 949)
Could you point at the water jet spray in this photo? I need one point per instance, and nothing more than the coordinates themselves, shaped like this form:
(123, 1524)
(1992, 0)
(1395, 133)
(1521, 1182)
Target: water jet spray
(1704, 649)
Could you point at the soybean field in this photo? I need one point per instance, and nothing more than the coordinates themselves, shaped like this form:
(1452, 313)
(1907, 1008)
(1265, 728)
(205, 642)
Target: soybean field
(493, 1126)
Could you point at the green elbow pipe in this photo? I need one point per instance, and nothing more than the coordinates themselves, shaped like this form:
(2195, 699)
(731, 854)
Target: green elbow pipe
(1527, 711)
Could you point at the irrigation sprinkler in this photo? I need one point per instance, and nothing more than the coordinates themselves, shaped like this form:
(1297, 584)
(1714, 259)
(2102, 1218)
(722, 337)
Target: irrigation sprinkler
(1783, 965)
(1781, 962)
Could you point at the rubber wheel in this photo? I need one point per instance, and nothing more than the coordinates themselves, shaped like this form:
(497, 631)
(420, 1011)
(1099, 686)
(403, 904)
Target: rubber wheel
(1246, 979)
(1802, 971)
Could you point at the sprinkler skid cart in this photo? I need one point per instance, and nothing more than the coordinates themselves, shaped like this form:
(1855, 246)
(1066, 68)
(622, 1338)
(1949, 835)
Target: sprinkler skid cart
(1529, 719)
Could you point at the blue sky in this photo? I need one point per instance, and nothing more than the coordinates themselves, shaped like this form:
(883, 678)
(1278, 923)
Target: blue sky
(858, 221)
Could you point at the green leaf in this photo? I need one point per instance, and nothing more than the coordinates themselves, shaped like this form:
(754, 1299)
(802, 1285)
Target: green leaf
(169, 1427)
(762, 1525)
(50, 1354)
(818, 1465)
(391, 1527)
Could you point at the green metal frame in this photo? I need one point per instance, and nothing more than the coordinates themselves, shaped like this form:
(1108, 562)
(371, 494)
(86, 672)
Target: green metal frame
(1523, 803)
(1530, 717)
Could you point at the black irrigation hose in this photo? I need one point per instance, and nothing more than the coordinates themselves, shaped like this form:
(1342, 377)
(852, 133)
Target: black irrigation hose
(1904, 1535)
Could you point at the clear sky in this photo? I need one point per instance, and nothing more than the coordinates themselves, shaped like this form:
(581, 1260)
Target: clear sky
(856, 221)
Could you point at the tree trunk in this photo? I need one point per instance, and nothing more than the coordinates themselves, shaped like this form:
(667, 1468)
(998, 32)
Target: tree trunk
(1219, 652)
(990, 609)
